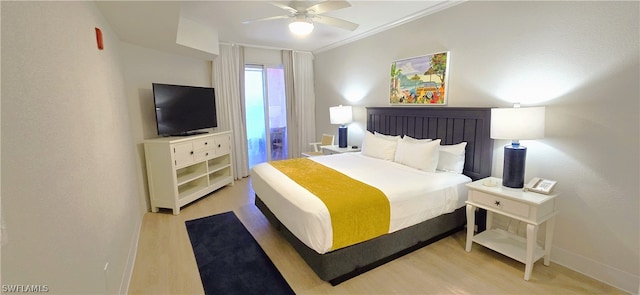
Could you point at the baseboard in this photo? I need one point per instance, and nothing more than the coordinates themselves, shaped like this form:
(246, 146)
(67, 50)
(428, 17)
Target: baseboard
(612, 276)
(131, 259)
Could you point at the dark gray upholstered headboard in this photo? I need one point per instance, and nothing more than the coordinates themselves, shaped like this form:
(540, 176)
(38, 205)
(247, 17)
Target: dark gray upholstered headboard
(451, 124)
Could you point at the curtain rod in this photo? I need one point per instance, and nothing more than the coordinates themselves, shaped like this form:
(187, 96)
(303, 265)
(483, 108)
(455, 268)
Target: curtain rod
(263, 47)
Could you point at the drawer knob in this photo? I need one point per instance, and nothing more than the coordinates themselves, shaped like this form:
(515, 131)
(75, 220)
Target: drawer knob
(497, 203)
(206, 143)
(191, 152)
(219, 145)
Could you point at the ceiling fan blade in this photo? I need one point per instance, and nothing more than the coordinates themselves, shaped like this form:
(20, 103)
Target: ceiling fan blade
(327, 6)
(336, 22)
(266, 18)
(290, 9)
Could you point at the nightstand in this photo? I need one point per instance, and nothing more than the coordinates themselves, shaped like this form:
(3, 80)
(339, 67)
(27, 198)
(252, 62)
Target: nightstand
(529, 207)
(334, 149)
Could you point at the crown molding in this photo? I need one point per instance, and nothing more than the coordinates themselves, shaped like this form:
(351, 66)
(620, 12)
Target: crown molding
(420, 14)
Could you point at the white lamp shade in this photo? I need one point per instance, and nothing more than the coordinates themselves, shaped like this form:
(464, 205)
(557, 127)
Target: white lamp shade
(301, 27)
(517, 123)
(340, 114)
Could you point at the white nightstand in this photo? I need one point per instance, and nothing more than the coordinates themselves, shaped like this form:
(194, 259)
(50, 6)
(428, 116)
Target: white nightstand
(532, 208)
(334, 149)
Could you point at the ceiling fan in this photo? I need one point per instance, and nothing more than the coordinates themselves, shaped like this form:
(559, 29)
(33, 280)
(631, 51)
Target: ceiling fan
(304, 17)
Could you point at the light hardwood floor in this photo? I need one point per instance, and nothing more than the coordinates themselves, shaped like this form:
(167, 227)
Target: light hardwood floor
(165, 263)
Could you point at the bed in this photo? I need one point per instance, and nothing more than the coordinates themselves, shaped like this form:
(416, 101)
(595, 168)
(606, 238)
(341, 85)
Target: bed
(409, 228)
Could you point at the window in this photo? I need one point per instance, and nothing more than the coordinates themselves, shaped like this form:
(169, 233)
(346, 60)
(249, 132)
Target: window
(265, 109)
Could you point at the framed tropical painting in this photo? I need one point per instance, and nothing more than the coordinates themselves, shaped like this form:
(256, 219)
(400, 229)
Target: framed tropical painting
(420, 80)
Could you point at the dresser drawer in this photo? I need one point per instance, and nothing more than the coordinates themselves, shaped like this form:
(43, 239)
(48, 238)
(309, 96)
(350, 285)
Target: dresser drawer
(202, 144)
(223, 144)
(189, 152)
(204, 154)
(182, 154)
(500, 203)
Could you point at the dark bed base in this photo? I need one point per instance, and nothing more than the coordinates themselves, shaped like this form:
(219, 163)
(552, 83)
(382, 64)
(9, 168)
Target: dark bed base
(343, 264)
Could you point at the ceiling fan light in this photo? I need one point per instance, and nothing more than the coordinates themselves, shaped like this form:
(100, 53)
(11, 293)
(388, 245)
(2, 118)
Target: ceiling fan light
(301, 27)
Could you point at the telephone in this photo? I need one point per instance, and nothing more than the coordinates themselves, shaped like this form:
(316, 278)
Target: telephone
(540, 185)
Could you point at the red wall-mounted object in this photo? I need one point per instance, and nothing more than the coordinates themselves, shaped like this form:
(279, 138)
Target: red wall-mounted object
(99, 39)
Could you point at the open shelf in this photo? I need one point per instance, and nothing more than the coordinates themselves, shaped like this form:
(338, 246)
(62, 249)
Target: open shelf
(187, 189)
(219, 163)
(190, 173)
(508, 244)
(220, 175)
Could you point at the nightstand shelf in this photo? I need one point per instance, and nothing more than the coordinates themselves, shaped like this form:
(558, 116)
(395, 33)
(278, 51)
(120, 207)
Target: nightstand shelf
(510, 245)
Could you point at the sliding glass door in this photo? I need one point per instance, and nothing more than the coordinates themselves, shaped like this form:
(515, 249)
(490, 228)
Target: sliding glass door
(265, 113)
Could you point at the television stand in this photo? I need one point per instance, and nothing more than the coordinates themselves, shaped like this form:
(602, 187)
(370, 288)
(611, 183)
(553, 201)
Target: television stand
(182, 170)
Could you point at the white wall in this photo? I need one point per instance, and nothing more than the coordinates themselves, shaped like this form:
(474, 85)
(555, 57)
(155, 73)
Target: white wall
(580, 59)
(69, 191)
(262, 56)
(142, 67)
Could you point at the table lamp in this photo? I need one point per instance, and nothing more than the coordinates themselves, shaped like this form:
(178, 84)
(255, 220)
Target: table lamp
(516, 124)
(341, 115)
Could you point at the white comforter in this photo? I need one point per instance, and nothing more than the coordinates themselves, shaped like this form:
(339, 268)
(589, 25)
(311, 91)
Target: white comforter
(414, 195)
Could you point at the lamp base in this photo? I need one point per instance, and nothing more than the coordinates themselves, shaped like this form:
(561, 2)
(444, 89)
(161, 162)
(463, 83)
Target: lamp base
(514, 162)
(342, 136)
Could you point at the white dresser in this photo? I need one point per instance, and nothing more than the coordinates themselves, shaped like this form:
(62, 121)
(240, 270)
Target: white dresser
(181, 170)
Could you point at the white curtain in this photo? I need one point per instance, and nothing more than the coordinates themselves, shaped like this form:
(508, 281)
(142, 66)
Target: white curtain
(293, 146)
(301, 101)
(228, 80)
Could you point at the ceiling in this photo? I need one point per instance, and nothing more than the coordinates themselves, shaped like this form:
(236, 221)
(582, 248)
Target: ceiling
(154, 24)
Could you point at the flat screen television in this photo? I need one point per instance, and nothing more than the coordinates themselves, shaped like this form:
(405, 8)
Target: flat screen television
(183, 110)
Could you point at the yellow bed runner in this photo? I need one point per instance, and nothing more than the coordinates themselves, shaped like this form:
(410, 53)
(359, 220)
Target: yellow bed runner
(358, 211)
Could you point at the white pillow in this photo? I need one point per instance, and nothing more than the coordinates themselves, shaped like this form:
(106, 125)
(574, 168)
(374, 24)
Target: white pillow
(378, 147)
(409, 138)
(387, 137)
(422, 155)
(452, 157)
